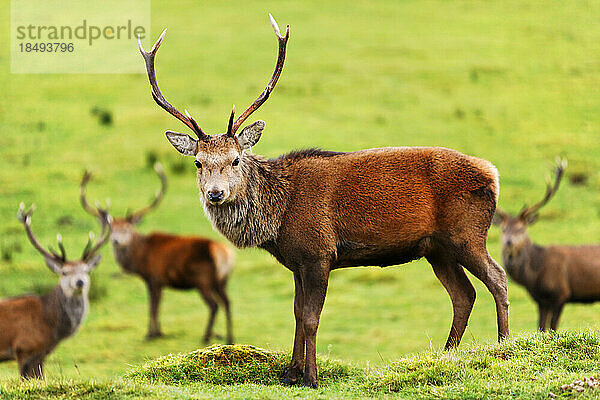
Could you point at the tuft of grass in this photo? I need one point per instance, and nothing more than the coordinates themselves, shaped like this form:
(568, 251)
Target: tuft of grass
(532, 365)
(8, 250)
(69, 389)
(231, 364)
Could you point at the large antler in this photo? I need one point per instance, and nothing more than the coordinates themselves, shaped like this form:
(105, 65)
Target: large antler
(87, 176)
(551, 189)
(157, 197)
(25, 218)
(265, 93)
(90, 250)
(157, 95)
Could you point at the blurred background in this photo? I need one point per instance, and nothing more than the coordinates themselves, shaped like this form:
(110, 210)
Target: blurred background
(514, 82)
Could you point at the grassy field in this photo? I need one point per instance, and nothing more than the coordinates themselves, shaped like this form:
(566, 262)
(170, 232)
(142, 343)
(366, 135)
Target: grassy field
(532, 366)
(512, 82)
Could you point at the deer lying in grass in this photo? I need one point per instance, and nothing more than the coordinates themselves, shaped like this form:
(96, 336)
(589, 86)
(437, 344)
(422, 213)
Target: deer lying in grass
(180, 262)
(316, 211)
(553, 275)
(32, 326)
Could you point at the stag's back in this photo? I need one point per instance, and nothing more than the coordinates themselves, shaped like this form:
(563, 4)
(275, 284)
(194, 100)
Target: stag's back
(390, 195)
(579, 268)
(182, 261)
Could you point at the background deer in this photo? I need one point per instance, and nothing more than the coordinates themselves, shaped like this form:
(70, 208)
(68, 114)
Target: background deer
(316, 211)
(161, 259)
(553, 275)
(32, 326)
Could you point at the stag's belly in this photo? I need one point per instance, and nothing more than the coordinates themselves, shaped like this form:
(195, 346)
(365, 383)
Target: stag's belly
(354, 254)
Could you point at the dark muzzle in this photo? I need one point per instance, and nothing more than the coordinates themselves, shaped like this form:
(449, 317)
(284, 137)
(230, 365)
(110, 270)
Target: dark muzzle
(215, 196)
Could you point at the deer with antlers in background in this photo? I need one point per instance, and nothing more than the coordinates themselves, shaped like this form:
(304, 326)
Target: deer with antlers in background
(32, 326)
(164, 260)
(316, 211)
(553, 275)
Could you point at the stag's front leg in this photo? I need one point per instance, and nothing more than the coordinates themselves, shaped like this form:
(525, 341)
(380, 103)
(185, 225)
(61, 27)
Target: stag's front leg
(544, 311)
(294, 371)
(314, 282)
(30, 366)
(155, 292)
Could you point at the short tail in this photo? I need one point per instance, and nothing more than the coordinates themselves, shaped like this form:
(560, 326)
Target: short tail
(224, 259)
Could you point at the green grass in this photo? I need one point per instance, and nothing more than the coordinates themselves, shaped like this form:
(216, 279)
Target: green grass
(513, 82)
(527, 367)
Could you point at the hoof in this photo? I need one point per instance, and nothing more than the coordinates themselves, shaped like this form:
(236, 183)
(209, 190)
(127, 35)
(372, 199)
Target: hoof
(310, 383)
(153, 335)
(287, 380)
(290, 377)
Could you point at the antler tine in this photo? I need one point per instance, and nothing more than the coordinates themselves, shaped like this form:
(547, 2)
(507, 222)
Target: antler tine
(160, 171)
(282, 40)
(63, 253)
(87, 176)
(230, 125)
(156, 93)
(25, 218)
(88, 246)
(90, 251)
(551, 188)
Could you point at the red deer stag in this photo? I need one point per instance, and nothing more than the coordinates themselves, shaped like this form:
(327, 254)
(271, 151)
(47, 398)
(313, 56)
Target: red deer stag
(553, 275)
(32, 326)
(180, 262)
(317, 211)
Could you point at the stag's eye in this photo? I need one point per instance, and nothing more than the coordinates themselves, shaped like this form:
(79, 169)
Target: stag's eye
(236, 162)
(198, 164)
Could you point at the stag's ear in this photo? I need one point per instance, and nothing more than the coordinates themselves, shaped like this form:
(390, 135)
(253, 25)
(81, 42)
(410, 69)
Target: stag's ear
(531, 219)
(499, 216)
(497, 219)
(134, 219)
(93, 263)
(55, 266)
(184, 144)
(250, 135)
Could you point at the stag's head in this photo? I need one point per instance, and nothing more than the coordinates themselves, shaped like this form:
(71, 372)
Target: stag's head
(218, 158)
(514, 228)
(74, 275)
(123, 229)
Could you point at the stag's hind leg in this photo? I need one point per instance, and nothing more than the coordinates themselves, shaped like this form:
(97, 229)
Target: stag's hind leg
(477, 260)
(220, 291)
(208, 296)
(461, 292)
(556, 311)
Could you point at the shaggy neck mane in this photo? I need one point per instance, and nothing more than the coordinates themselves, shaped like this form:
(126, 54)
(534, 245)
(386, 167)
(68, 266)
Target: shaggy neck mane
(253, 217)
(65, 313)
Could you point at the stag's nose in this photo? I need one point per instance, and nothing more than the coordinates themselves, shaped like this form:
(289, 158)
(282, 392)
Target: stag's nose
(215, 195)
(79, 283)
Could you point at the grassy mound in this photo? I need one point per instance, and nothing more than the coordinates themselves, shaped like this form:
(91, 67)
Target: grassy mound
(227, 365)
